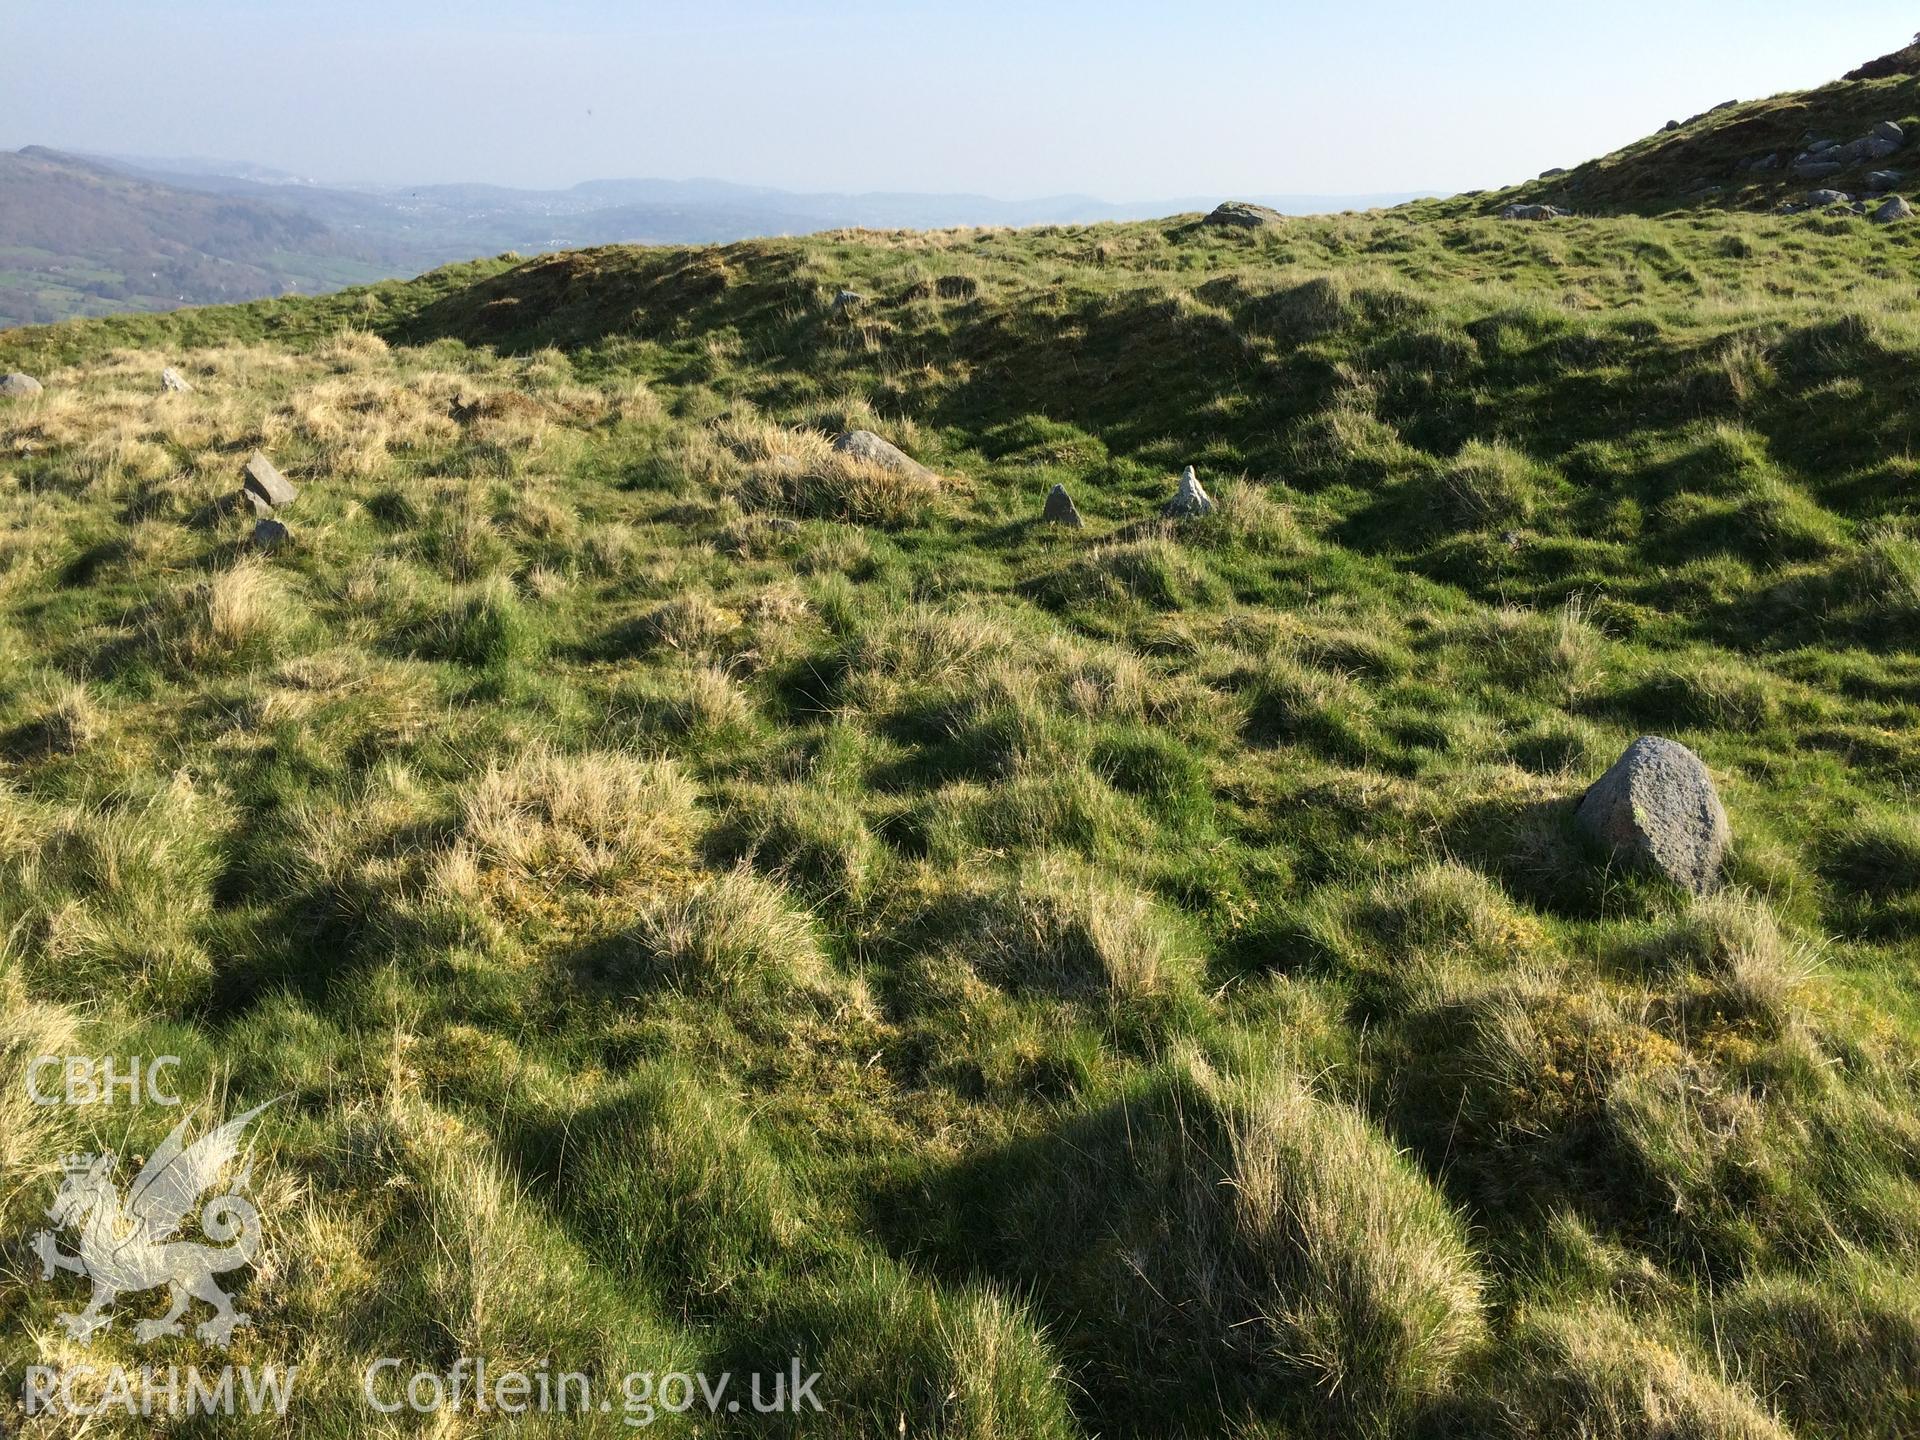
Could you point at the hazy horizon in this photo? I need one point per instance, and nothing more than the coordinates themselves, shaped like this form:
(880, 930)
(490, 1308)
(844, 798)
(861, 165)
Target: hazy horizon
(1117, 101)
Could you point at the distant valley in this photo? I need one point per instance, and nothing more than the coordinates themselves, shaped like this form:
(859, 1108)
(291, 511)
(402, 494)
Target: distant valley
(93, 235)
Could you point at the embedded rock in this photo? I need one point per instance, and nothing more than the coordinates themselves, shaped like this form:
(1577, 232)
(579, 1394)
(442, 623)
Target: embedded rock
(1894, 209)
(1241, 215)
(1189, 500)
(1060, 508)
(867, 446)
(173, 382)
(1533, 212)
(1657, 808)
(18, 387)
(270, 535)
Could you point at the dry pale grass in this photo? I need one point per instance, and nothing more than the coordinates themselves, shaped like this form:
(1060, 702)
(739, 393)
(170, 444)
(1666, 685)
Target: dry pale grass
(232, 615)
(1359, 1270)
(734, 933)
(798, 472)
(1597, 1373)
(548, 818)
(1065, 929)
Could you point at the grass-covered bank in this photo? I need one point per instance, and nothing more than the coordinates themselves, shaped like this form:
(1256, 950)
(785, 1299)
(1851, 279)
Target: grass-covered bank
(711, 900)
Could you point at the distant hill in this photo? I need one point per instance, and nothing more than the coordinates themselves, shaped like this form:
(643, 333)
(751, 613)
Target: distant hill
(1741, 155)
(78, 237)
(91, 235)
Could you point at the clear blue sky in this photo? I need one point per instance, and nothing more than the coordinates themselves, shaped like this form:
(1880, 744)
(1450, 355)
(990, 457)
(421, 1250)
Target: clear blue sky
(1120, 99)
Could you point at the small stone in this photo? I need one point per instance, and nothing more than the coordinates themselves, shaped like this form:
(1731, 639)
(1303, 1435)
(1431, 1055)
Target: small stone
(846, 300)
(18, 387)
(1060, 508)
(270, 535)
(173, 382)
(1820, 199)
(264, 485)
(1657, 808)
(1894, 209)
(1669, 127)
(867, 446)
(1189, 500)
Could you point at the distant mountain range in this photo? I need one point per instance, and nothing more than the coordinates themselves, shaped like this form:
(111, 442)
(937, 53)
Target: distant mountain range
(92, 235)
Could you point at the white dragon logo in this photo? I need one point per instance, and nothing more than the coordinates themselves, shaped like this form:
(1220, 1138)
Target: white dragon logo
(133, 1246)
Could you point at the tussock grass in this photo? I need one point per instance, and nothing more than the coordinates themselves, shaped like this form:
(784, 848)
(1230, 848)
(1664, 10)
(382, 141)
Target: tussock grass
(710, 901)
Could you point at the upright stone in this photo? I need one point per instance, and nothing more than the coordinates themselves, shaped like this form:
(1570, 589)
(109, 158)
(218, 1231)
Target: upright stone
(1190, 499)
(1657, 808)
(172, 381)
(865, 445)
(18, 387)
(265, 487)
(1060, 508)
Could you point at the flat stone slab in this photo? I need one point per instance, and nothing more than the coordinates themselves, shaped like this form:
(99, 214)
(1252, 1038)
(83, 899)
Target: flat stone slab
(262, 482)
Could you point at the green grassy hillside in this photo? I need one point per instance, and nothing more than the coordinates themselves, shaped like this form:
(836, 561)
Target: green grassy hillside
(1720, 159)
(710, 901)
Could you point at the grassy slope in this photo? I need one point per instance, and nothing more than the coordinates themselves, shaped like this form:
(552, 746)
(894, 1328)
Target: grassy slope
(709, 901)
(1703, 163)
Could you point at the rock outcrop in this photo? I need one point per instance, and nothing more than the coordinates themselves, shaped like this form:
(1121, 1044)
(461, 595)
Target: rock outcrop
(1242, 215)
(1533, 212)
(1657, 808)
(867, 446)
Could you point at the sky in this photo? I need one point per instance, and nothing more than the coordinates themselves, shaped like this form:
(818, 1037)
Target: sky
(1123, 100)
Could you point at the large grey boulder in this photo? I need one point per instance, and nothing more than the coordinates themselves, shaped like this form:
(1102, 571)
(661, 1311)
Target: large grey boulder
(1060, 508)
(1820, 199)
(867, 446)
(1189, 500)
(1807, 168)
(1884, 179)
(1657, 808)
(1892, 210)
(264, 487)
(18, 387)
(1888, 131)
(1242, 215)
(1533, 212)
